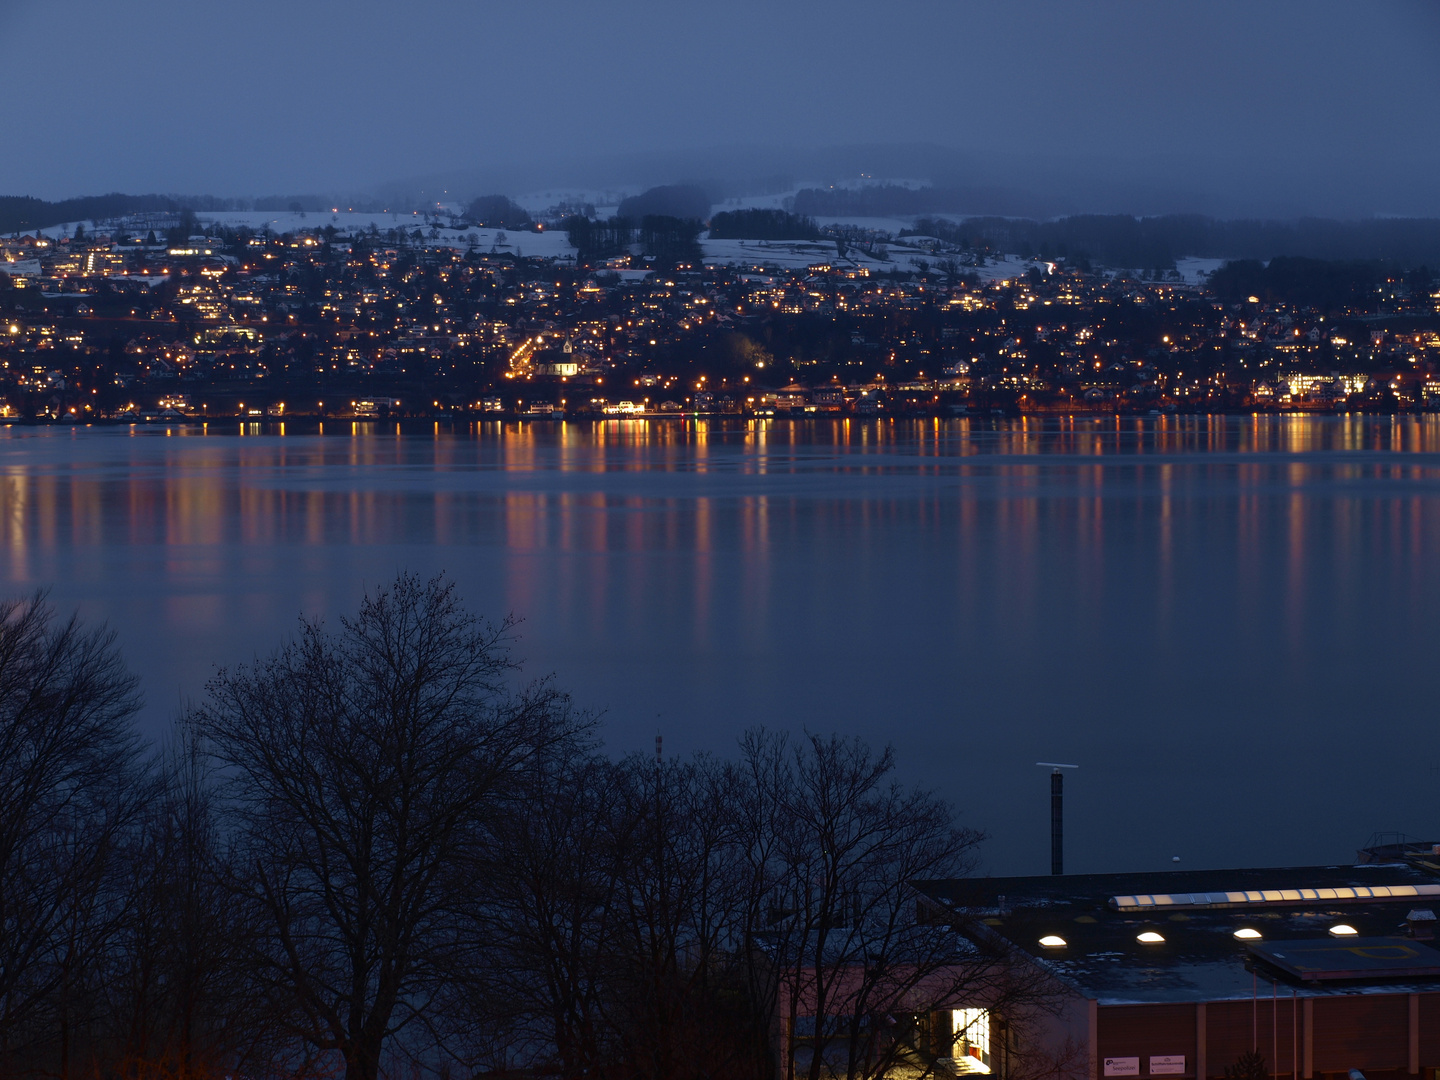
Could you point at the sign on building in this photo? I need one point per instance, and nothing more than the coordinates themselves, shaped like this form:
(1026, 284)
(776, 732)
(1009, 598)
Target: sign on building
(1168, 1065)
(1126, 1066)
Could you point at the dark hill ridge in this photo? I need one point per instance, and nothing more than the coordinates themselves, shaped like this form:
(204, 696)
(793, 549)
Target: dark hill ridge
(1156, 242)
(21, 213)
(1116, 240)
(1123, 240)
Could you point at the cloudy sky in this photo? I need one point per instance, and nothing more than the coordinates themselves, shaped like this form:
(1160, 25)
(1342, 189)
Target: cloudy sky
(1225, 107)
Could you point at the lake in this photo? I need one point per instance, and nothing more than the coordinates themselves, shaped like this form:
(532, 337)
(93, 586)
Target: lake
(1232, 624)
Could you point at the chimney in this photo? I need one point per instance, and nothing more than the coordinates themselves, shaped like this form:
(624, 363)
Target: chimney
(1057, 814)
(1421, 924)
(1057, 822)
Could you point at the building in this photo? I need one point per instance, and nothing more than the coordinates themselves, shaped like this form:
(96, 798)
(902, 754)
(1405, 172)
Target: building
(1320, 970)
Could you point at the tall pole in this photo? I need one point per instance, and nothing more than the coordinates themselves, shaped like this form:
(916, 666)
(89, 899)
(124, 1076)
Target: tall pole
(1057, 814)
(1057, 822)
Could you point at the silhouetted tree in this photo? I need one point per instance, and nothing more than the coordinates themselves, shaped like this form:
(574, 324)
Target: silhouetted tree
(364, 767)
(670, 239)
(548, 922)
(833, 842)
(1248, 1066)
(71, 785)
(762, 225)
(684, 201)
(596, 240)
(497, 212)
(181, 1001)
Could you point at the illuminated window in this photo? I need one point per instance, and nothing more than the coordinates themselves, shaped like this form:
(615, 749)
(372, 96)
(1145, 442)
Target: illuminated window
(971, 1028)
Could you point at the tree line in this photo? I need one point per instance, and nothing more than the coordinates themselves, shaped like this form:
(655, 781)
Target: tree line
(1124, 240)
(1121, 240)
(497, 212)
(668, 239)
(22, 213)
(380, 852)
(762, 225)
(1317, 283)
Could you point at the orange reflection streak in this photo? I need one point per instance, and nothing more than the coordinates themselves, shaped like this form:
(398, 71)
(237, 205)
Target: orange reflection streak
(47, 511)
(704, 571)
(756, 583)
(87, 514)
(315, 517)
(522, 520)
(1165, 593)
(443, 525)
(1090, 534)
(1295, 567)
(195, 510)
(14, 503)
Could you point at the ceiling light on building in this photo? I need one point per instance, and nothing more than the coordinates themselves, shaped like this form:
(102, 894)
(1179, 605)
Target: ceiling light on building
(1050, 941)
(1342, 930)
(1245, 933)
(1150, 937)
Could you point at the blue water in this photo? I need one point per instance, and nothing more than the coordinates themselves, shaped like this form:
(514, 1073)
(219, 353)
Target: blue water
(1230, 624)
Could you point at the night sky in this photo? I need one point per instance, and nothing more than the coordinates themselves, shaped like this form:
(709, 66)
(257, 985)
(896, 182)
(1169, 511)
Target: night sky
(1277, 108)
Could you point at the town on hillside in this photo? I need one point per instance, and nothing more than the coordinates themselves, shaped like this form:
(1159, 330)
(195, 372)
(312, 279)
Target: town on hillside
(163, 316)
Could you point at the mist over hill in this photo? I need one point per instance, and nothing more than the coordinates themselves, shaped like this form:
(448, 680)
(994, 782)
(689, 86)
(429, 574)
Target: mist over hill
(1039, 184)
(1115, 240)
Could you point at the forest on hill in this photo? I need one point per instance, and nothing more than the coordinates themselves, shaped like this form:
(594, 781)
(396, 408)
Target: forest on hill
(1123, 240)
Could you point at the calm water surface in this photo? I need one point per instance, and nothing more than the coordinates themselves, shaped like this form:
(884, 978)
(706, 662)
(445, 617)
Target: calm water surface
(1229, 623)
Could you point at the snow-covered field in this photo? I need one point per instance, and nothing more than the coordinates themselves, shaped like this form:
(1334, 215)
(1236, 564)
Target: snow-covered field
(284, 222)
(550, 244)
(1197, 271)
(783, 253)
(1011, 266)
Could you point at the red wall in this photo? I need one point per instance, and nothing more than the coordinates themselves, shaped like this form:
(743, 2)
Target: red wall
(1351, 1031)
(1145, 1030)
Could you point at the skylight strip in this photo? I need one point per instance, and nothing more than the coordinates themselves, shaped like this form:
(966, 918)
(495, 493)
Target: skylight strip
(1252, 897)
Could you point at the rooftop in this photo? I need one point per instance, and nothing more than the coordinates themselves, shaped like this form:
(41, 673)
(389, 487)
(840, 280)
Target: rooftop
(1210, 935)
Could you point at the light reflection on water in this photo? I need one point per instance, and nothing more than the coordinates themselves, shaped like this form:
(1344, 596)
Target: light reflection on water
(1229, 622)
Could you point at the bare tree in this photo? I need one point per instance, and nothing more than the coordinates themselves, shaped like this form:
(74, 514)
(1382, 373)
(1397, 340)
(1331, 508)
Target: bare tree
(363, 766)
(656, 918)
(181, 1003)
(621, 919)
(835, 841)
(71, 783)
(677, 914)
(546, 927)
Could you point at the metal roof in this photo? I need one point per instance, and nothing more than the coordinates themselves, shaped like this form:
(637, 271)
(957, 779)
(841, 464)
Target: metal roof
(1200, 958)
(1330, 959)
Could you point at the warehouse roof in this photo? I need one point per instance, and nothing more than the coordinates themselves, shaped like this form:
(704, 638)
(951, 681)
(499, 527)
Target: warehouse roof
(1213, 935)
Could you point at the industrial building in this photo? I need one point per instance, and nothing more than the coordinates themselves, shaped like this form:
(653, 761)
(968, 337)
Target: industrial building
(1319, 970)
